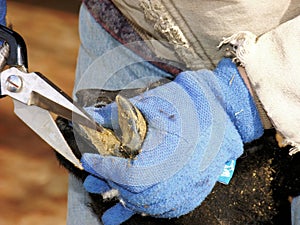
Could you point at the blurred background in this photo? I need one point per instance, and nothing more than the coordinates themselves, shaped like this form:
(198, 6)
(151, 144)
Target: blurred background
(33, 187)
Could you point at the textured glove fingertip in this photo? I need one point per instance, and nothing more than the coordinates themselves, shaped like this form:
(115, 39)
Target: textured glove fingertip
(95, 185)
(90, 161)
(116, 215)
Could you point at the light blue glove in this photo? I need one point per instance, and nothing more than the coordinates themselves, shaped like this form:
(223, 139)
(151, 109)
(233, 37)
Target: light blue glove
(196, 124)
(3, 12)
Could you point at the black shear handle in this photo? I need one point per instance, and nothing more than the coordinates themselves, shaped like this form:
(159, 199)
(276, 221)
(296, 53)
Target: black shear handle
(18, 52)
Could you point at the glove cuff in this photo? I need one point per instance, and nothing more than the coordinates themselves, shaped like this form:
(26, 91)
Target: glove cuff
(238, 102)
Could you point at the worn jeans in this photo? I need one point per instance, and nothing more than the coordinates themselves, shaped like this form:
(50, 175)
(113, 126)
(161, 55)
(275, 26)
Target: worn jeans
(296, 211)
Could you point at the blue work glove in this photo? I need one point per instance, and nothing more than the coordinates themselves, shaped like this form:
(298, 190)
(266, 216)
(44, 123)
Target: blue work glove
(3, 12)
(196, 124)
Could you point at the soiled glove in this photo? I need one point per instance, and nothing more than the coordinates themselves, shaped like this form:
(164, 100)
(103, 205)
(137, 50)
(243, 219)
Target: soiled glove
(196, 124)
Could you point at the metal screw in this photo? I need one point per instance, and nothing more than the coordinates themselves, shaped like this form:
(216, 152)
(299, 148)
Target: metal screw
(14, 83)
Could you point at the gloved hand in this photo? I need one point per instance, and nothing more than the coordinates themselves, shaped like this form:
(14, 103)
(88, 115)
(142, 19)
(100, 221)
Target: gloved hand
(196, 124)
(3, 12)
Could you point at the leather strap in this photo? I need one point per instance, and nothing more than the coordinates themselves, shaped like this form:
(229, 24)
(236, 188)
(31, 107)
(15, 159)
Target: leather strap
(262, 113)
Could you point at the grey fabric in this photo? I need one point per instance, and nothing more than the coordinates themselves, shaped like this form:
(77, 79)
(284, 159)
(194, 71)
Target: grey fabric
(196, 27)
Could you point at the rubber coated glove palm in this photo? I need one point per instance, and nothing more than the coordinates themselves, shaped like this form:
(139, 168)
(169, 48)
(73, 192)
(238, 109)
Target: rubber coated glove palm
(196, 124)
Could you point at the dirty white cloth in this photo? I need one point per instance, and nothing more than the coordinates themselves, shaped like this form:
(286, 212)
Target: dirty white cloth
(193, 29)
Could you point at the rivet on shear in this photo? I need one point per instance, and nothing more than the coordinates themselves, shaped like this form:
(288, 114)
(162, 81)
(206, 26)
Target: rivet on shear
(14, 83)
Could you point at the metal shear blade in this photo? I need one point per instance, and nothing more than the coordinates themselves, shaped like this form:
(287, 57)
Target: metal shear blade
(42, 123)
(34, 98)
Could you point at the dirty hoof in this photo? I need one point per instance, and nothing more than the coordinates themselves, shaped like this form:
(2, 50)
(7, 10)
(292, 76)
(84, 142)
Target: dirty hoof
(133, 129)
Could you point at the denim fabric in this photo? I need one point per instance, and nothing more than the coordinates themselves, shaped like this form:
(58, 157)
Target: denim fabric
(78, 211)
(295, 211)
(104, 63)
(3, 9)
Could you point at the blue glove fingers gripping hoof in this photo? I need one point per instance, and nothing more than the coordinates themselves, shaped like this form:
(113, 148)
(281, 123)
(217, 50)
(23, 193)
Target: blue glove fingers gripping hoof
(95, 185)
